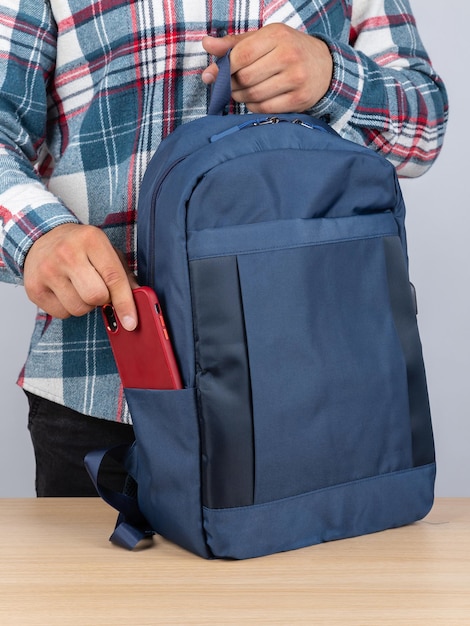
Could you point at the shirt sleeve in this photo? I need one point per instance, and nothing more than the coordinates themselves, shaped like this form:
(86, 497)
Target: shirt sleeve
(385, 93)
(27, 208)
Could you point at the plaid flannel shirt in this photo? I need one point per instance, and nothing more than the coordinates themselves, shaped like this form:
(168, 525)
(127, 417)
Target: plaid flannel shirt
(88, 89)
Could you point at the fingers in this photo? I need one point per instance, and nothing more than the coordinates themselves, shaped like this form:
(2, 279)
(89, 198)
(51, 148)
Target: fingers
(74, 268)
(275, 69)
(122, 298)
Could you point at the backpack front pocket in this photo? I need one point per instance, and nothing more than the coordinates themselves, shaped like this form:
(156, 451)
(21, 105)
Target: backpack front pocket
(328, 378)
(315, 369)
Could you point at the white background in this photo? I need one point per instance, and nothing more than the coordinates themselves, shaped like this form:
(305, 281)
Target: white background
(438, 226)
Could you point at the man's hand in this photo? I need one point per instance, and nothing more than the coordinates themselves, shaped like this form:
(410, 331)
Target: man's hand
(74, 268)
(276, 69)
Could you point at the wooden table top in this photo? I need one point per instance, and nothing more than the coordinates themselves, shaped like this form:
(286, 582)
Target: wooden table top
(58, 568)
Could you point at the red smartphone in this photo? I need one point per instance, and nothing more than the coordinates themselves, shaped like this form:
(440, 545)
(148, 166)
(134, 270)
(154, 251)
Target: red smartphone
(144, 356)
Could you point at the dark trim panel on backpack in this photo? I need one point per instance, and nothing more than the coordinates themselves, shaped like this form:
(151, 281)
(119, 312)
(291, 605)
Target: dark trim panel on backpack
(223, 381)
(404, 317)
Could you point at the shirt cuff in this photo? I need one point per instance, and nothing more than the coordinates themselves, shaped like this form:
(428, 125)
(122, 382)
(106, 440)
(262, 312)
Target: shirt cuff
(339, 103)
(40, 212)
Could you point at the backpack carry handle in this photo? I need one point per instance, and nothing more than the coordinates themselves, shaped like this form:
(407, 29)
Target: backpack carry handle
(221, 89)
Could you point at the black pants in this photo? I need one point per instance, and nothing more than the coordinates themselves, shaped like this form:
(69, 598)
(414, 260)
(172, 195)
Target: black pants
(61, 438)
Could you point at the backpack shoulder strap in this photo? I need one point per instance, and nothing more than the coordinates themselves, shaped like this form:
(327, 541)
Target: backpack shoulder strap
(131, 526)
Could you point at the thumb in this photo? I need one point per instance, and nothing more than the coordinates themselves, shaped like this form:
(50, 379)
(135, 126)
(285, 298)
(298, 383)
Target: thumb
(218, 46)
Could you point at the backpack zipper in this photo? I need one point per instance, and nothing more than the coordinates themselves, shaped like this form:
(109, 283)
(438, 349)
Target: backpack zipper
(155, 194)
(263, 121)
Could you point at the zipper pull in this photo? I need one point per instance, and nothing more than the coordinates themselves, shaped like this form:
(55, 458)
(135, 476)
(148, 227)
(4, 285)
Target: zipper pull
(234, 129)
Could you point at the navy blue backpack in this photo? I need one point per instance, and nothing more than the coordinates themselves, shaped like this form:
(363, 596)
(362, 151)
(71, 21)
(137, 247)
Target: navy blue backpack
(278, 253)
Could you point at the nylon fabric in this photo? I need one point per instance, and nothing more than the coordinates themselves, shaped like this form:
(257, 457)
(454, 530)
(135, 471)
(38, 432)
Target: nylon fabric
(223, 383)
(279, 255)
(348, 510)
(403, 309)
(328, 380)
(168, 467)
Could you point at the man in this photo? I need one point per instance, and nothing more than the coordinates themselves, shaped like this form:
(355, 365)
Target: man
(90, 88)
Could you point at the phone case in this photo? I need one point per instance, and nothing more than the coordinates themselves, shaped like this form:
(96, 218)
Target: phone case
(144, 356)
